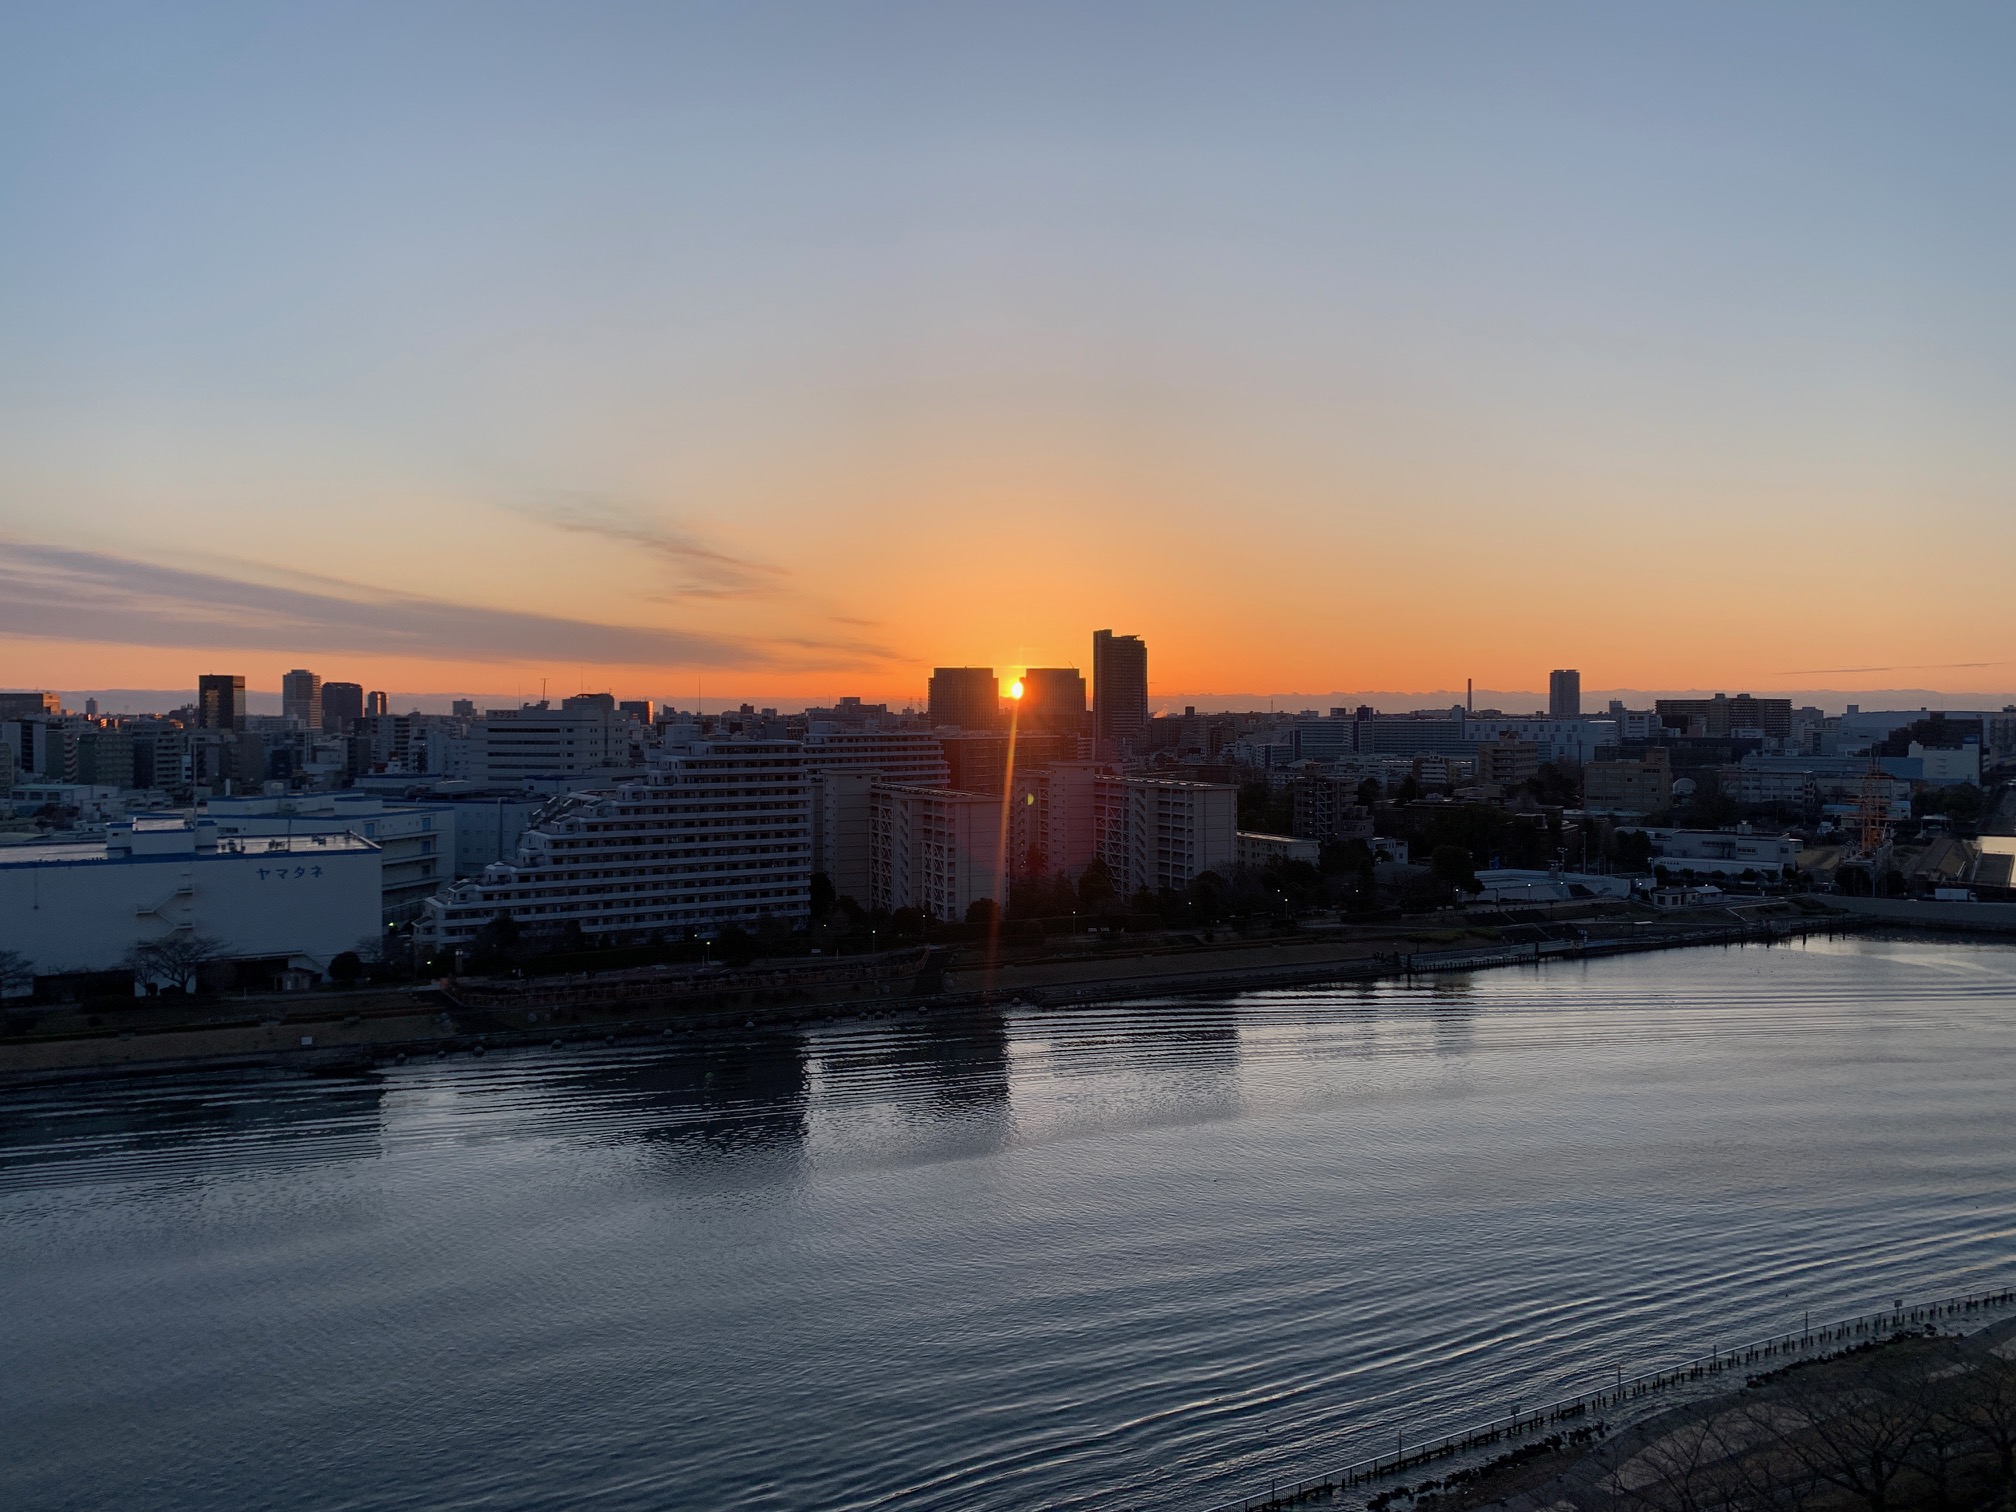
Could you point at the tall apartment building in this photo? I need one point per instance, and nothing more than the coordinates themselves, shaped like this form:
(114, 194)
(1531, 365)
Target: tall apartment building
(301, 698)
(965, 698)
(1053, 701)
(840, 824)
(1327, 808)
(1724, 715)
(1155, 832)
(220, 701)
(1564, 694)
(342, 707)
(715, 833)
(933, 849)
(1119, 688)
(1505, 763)
(1062, 821)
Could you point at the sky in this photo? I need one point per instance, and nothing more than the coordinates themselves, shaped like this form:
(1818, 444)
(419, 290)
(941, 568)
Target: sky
(784, 352)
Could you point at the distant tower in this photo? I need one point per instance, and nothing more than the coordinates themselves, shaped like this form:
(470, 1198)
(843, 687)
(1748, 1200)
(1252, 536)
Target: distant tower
(1053, 701)
(220, 701)
(1119, 687)
(342, 707)
(965, 698)
(301, 698)
(377, 703)
(1564, 694)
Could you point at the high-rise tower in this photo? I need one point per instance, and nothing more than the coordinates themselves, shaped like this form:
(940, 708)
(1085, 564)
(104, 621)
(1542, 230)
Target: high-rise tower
(1119, 687)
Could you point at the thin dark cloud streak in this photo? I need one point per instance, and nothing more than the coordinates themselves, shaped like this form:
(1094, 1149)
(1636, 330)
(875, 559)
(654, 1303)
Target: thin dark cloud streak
(705, 571)
(60, 593)
(1906, 667)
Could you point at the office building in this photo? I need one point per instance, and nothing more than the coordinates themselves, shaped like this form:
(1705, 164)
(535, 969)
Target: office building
(342, 707)
(1053, 702)
(301, 698)
(287, 902)
(965, 698)
(1119, 689)
(1634, 788)
(30, 705)
(1157, 833)
(376, 703)
(714, 833)
(1564, 694)
(932, 849)
(585, 734)
(220, 701)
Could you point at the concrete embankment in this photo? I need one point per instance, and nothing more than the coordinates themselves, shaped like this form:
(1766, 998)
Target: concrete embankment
(338, 1031)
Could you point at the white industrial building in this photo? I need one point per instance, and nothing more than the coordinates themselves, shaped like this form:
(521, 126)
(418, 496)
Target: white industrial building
(81, 907)
(711, 834)
(416, 841)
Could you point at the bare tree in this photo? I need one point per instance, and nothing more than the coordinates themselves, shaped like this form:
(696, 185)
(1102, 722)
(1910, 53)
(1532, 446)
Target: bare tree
(1979, 1397)
(1856, 1431)
(17, 973)
(174, 960)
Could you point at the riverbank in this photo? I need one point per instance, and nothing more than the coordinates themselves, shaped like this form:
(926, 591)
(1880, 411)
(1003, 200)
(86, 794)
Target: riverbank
(1682, 1438)
(343, 1031)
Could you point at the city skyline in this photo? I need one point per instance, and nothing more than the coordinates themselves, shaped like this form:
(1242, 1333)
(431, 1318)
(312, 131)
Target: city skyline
(1318, 348)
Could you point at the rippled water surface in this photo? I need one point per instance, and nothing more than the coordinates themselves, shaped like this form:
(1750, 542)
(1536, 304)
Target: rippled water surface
(1138, 1255)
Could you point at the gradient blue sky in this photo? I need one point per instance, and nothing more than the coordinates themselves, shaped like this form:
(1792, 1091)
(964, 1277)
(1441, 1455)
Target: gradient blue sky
(795, 349)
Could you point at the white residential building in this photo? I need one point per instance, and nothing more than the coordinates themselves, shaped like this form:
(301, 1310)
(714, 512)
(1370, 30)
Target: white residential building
(711, 834)
(915, 758)
(841, 850)
(1259, 850)
(1573, 740)
(933, 849)
(81, 907)
(1156, 833)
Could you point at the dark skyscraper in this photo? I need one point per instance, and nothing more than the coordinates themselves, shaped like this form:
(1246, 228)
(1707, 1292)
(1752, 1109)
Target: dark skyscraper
(376, 704)
(1564, 694)
(220, 701)
(342, 707)
(965, 698)
(301, 697)
(1053, 701)
(1119, 687)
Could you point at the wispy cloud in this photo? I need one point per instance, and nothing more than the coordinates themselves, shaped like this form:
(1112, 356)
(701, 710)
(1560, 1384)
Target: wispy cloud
(1909, 667)
(57, 593)
(704, 571)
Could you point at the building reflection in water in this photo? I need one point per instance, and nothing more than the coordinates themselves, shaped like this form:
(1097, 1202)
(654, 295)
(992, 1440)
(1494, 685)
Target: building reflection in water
(188, 1125)
(739, 1096)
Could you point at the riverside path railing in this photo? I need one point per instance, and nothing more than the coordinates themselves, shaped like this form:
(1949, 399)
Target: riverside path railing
(1433, 1446)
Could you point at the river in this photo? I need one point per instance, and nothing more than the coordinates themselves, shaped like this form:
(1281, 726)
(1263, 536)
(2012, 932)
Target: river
(1136, 1255)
